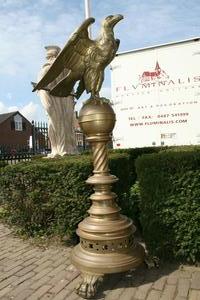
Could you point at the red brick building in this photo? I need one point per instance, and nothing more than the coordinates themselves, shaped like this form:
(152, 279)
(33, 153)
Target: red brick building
(15, 131)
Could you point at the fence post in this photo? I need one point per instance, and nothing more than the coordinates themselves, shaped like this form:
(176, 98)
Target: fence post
(33, 137)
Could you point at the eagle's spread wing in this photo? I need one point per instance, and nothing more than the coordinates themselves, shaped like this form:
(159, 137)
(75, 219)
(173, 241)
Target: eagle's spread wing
(71, 56)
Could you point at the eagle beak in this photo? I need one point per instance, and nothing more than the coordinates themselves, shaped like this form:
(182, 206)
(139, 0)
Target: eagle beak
(116, 19)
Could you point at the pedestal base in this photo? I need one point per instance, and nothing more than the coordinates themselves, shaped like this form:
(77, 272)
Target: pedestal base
(94, 265)
(102, 263)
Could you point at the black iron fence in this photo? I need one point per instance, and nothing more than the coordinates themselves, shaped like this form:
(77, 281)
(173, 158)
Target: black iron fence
(12, 154)
(13, 149)
(40, 143)
(15, 158)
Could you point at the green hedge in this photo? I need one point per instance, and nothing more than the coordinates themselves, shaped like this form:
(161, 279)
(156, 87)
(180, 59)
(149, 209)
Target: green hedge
(129, 202)
(3, 164)
(170, 203)
(50, 196)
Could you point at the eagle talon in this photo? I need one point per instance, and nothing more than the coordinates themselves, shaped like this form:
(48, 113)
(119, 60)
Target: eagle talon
(105, 100)
(97, 100)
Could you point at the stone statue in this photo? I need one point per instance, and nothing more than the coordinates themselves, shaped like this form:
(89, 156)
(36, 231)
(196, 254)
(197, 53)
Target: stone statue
(60, 112)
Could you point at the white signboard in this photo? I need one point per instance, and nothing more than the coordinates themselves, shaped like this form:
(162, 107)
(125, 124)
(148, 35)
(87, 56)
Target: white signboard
(156, 96)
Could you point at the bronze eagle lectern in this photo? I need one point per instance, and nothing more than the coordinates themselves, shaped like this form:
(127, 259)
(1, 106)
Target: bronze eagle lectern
(107, 243)
(83, 60)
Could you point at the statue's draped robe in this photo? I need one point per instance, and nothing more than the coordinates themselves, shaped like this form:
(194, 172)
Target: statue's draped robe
(60, 112)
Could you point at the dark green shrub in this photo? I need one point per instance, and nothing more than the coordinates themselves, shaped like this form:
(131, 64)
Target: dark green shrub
(3, 164)
(128, 201)
(50, 196)
(134, 204)
(170, 203)
(134, 154)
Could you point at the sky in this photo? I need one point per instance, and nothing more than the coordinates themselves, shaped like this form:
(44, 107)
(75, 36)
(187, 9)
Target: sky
(26, 27)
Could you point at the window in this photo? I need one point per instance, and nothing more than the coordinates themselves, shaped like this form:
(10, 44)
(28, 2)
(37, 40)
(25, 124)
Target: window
(79, 138)
(18, 123)
(168, 135)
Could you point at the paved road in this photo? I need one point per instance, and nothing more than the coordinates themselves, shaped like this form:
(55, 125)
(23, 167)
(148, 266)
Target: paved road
(30, 272)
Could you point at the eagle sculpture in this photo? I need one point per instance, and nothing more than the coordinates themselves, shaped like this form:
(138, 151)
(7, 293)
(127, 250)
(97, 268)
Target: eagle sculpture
(82, 60)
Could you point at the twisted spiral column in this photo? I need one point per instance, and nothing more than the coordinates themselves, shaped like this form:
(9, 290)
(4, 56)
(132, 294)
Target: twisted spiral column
(100, 157)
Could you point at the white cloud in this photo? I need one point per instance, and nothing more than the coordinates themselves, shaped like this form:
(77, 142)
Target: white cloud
(31, 111)
(12, 108)
(6, 109)
(20, 41)
(25, 32)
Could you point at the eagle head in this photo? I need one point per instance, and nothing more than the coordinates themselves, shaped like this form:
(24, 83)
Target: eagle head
(111, 20)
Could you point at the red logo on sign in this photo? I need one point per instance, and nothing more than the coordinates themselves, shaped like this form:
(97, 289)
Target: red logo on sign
(158, 73)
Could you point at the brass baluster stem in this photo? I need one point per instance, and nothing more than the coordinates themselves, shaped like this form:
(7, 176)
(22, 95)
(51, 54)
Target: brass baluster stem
(106, 237)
